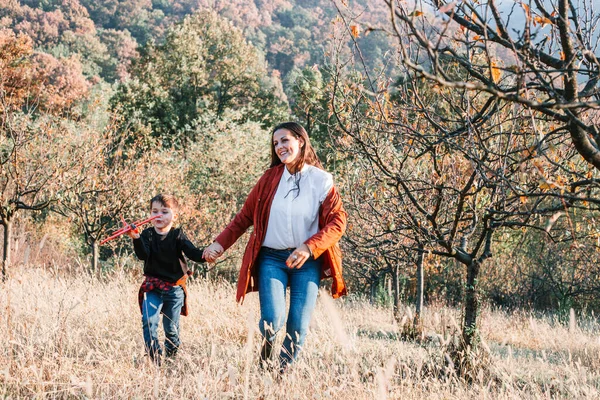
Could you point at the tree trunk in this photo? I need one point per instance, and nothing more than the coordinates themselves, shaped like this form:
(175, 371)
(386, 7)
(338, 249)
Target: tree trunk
(95, 256)
(396, 291)
(373, 291)
(471, 305)
(308, 124)
(420, 287)
(6, 253)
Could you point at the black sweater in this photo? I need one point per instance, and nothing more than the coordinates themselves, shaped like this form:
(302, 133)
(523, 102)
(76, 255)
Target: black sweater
(163, 254)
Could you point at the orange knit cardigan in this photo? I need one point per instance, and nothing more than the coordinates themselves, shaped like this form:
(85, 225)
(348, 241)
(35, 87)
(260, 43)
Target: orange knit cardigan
(255, 212)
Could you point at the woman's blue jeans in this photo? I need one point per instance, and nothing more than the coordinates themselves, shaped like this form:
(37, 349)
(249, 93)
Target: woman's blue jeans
(170, 303)
(273, 279)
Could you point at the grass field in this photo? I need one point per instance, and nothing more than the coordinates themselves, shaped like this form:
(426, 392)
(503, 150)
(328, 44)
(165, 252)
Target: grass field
(63, 337)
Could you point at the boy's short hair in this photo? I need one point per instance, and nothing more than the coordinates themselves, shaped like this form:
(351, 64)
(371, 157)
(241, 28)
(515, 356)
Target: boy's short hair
(167, 200)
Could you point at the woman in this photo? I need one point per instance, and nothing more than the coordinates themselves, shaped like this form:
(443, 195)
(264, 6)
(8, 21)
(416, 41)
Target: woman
(298, 219)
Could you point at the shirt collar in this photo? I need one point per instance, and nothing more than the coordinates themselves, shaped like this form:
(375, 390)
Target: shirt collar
(287, 176)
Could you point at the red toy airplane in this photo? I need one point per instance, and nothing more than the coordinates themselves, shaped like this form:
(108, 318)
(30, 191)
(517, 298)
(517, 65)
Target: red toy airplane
(127, 228)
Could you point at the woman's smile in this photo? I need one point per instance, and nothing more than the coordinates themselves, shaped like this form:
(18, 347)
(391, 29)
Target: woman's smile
(287, 146)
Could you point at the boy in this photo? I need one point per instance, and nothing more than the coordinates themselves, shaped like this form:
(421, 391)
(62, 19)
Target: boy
(163, 291)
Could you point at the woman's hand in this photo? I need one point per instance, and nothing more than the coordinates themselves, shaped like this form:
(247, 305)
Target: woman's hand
(212, 252)
(298, 257)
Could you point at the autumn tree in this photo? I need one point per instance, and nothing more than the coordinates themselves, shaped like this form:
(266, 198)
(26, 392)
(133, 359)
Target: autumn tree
(115, 183)
(546, 64)
(39, 150)
(63, 29)
(377, 251)
(557, 275)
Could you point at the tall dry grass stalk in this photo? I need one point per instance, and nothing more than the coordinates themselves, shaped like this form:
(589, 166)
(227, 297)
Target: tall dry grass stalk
(66, 337)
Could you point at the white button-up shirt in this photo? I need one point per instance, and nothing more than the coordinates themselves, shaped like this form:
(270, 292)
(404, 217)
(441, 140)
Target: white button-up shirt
(294, 215)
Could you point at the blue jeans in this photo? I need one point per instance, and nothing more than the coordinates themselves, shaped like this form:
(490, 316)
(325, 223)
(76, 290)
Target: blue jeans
(170, 303)
(273, 279)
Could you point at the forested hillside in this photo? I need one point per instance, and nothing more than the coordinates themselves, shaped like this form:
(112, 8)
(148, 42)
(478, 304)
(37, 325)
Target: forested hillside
(192, 83)
(106, 36)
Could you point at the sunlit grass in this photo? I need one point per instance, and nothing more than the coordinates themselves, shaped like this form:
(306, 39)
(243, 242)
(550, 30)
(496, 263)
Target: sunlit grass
(77, 337)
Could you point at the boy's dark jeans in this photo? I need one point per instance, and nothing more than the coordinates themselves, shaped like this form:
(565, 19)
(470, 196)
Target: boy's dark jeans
(170, 303)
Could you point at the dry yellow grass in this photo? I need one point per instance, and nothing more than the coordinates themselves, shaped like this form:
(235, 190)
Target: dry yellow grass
(81, 338)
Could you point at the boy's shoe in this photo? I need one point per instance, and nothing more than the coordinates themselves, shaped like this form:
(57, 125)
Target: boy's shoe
(171, 353)
(153, 360)
(157, 360)
(284, 368)
(155, 357)
(266, 365)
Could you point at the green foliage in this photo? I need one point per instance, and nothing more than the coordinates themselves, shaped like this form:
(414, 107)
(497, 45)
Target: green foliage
(205, 67)
(135, 16)
(122, 49)
(310, 92)
(87, 48)
(306, 90)
(227, 160)
(297, 37)
(224, 165)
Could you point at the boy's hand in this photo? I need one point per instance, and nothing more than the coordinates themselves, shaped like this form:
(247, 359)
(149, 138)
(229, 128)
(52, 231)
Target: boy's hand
(212, 252)
(134, 233)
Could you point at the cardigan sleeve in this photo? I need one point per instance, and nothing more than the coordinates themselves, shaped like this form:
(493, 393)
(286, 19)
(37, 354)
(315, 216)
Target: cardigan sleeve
(332, 224)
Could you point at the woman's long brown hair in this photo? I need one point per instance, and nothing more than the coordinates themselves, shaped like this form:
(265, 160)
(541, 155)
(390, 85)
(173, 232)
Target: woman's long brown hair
(307, 152)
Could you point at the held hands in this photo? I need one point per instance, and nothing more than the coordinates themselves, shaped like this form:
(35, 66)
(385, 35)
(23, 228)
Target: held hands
(212, 252)
(298, 257)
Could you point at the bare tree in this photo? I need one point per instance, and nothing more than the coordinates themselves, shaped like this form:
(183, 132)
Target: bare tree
(39, 148)
(547, 63)
(38, 162)
(118, 181)
(375, 248)
(462, 145)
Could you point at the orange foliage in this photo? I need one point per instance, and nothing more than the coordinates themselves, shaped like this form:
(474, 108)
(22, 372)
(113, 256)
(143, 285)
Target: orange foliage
(496, 72)
(63, 81)
(14, 68)
(38, 79)
(48, 27)
(542, 21)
